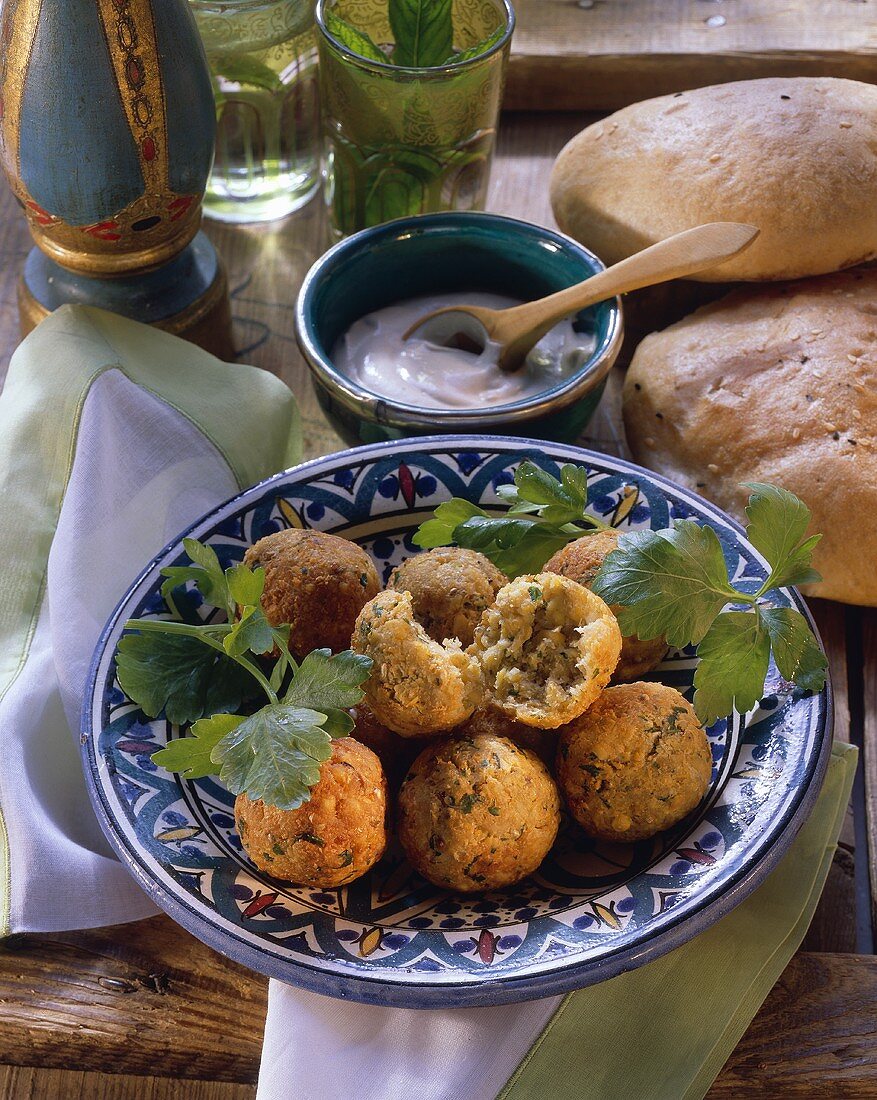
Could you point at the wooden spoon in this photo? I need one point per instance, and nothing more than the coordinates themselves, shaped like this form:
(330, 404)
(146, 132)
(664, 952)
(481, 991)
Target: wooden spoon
(518, 328)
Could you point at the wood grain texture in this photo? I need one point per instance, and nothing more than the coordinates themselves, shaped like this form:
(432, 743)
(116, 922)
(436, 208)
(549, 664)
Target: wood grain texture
(868, 621)
(814, 1038)
(20, 1083)
(602, 55)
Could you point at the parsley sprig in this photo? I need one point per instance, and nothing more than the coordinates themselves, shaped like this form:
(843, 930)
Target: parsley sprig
(204, 673)
(675, 583)
(544, 514)
(672, 583)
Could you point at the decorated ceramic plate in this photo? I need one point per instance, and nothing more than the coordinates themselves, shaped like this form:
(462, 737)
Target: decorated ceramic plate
(592, 910)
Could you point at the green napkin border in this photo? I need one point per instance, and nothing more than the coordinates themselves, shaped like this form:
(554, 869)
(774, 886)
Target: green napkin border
(671, 1054)
(53, 369)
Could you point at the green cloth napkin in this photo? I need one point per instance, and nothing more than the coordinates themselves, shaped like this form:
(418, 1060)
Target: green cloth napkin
(664, 1031)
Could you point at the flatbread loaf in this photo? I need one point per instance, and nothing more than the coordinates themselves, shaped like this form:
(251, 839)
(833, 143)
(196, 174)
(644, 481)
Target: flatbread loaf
(796, 157)
(775, 384)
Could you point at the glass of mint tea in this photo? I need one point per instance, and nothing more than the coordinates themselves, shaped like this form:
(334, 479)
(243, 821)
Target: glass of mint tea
(411, 92)
(263, 58)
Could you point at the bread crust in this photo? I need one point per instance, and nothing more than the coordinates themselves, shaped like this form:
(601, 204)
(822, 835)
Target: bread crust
(796, 157)
(776, 384)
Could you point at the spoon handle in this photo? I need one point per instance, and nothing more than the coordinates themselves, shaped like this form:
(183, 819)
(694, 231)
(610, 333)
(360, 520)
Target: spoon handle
(682, 254)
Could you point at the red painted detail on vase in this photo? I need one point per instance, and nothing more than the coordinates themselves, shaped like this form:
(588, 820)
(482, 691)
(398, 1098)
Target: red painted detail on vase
(104, 231)
(179, 206)
(134, 72)
(41, 217)
(148, 148)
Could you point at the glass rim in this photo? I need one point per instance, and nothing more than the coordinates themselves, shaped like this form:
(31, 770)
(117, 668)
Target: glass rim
(388, 68)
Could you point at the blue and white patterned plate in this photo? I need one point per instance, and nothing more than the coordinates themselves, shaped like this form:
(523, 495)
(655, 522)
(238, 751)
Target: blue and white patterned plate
(592, 911)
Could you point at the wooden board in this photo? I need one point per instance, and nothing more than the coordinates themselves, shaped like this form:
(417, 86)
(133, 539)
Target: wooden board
(147, 999)
(603, 54)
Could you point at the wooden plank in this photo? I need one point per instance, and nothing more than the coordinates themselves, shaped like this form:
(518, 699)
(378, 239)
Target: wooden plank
(16, 1083)
(148, 999)
(815, 1037)
(143, 998)
(601, 55)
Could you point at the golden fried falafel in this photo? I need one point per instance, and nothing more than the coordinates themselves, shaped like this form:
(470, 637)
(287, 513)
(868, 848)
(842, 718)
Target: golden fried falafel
(477, 813)
(416, 687)
(580, 561)
(488, 720)
(316, 582)
(330, 840)
(634, 763)
(394, 752)
(449, 587)
(546, 649)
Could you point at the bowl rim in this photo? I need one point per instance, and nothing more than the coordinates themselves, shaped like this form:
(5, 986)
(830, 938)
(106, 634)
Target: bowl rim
(482, 991)
(377, 409)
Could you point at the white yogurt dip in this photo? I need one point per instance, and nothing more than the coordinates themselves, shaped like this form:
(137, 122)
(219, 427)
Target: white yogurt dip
(417, 372)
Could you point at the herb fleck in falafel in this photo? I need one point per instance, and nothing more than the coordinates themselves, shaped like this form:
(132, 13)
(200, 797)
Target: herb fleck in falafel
(316, 582)
(332, 839)
(477, 813)
(450, 587)
(635, 763)
(546, 648)
(416, 687)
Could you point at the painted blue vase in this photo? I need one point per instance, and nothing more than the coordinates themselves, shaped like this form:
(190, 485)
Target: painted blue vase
(106, 137)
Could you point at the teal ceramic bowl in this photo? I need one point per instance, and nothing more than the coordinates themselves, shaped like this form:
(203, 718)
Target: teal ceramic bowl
(429, 254)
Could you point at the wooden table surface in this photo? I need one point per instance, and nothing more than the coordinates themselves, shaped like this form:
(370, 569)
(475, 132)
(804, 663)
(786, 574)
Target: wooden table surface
(146, 1011)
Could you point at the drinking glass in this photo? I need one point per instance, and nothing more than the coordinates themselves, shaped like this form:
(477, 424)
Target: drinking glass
(401, 141)
(263, 58)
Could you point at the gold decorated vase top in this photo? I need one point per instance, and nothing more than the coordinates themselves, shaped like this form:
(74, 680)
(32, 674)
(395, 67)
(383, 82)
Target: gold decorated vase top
(106, 128)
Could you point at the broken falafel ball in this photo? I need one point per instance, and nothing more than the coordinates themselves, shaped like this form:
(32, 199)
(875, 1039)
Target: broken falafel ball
(546, 649)
(580, 560)
(450, 587)
(316, 582)
(417, 687)
(332, 839)
(477, 813)
(635, 763)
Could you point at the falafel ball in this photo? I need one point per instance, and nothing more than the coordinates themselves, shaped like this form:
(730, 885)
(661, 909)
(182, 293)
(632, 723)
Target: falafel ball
(316, 582)
(546, 648)
(394, 752)
(416, 687)
(477, 813)
(449, 587)
(332, 839)
(580, 561)
(634, 763)
(491, 721)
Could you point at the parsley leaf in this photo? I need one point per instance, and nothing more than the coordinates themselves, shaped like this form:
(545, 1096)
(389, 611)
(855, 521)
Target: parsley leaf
(180, 675)
(777, 522)
(439, 531)
(190, 756)
(275, 754)
(423, 31)
(544, 515)
(798, 658)
(670, 583)
(323, 681)
(734, 657)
